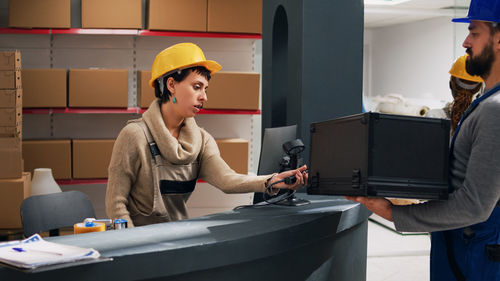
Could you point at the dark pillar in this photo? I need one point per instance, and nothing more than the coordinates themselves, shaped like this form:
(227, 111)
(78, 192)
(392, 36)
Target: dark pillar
(312, 62)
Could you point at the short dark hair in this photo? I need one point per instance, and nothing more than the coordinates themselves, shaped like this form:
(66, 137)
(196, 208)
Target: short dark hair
(178, 77)
(494, 27)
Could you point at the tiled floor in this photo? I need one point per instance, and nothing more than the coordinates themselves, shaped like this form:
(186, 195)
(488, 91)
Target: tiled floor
(396, 257)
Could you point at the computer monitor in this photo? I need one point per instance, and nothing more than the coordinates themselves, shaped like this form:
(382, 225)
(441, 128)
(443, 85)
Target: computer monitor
(271, 152)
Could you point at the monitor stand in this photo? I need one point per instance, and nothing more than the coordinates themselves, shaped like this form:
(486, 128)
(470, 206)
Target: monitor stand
(292, 201)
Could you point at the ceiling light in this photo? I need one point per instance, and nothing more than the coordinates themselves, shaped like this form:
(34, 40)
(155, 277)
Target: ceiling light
(384, 2)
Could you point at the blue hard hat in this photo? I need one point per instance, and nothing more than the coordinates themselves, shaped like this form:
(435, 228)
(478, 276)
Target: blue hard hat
(482, 10)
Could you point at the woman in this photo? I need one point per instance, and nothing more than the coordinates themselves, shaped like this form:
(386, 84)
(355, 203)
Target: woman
(157, 159)
(464, 88)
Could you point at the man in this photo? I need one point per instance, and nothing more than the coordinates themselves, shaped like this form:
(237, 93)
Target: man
(466, 228)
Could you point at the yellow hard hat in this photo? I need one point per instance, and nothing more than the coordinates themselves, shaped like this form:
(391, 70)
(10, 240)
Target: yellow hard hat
(180, 56)
(458, 70)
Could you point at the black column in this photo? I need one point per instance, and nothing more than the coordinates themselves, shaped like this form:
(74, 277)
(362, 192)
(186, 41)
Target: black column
(312, 62)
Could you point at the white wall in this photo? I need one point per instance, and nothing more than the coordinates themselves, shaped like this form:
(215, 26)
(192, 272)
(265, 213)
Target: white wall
(413, 59)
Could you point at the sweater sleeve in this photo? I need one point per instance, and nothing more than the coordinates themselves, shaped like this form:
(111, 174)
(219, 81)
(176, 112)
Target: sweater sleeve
(215, 171)
(476, 179)
(122, 173)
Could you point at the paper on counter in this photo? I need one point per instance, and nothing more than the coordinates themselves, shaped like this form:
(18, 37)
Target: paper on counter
(38, 252)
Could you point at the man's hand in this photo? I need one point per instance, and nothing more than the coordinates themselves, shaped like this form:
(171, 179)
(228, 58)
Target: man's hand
(379, 206)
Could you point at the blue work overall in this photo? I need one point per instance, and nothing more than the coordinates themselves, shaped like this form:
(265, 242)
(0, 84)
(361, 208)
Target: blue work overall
(468, 246)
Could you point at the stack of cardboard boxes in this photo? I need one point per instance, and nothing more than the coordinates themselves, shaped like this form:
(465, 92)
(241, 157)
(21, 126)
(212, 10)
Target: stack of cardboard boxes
(14, 184)
(177, 15)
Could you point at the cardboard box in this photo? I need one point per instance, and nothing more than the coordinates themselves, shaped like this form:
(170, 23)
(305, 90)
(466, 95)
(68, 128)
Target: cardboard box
(54, 154)
(12, 194)
(233, 90)
(10, 60)
(11, 117)
(11, 163)
(11, 113)
(11, 132)
(235, 16)
(112, 14)
(91, 158)
(235, 153)
(145, 94)
(41, 14)
(185, 15)
(10, 79)
(11, 98)
(44, 87)
(98, 88)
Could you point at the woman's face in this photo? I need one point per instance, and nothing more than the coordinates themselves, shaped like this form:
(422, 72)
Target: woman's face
(189, 94)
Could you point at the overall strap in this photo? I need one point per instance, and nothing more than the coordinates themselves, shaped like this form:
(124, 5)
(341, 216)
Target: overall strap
(469, 110)
(153, 147)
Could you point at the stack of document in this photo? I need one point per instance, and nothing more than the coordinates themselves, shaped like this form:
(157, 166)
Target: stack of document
(35, 252)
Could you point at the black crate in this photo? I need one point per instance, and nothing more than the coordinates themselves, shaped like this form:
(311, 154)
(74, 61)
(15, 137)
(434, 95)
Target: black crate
(374, 154)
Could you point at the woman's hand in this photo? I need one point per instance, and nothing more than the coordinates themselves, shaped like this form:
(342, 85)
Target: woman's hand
(379, 206)
(300, 174)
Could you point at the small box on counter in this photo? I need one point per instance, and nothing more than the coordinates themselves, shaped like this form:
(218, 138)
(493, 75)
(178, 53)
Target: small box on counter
(91, 158)
(44, 88)
(12, 194)
(182, 15)
(10, 79)
(112, 14)
(374, 154)
(54, 154)
(10, 60)
(145, 93)
(98, 88)
(40, 14)
(233, 90)
(235, 153)
(235, 16)
(11, 162)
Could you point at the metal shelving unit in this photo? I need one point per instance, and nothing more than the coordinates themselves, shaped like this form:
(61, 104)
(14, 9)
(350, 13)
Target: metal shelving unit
(244, 123)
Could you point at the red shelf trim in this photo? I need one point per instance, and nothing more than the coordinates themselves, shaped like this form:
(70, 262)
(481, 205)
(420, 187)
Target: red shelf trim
(95, 31)
(81, 181)
(90, 181)
(79, 110)
(69, 110)
(128, 32)
(220, 111)
(95, 110)
(199, 34)
(229, 111)
(24, 31)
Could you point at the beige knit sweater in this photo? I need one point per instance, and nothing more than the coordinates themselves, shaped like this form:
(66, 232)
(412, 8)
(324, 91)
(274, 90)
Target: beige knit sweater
(130, 182)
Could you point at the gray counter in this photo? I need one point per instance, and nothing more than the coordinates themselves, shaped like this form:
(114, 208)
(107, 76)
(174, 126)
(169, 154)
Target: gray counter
(325, 240)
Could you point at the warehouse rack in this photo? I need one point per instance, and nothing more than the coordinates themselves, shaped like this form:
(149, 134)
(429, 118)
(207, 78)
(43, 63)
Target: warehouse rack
(50, 40)
(134, 50)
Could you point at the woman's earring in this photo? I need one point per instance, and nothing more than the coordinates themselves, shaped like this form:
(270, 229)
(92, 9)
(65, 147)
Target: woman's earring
(174, 100)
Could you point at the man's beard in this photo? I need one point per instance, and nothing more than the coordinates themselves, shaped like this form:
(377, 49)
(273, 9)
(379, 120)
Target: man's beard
(481, 65)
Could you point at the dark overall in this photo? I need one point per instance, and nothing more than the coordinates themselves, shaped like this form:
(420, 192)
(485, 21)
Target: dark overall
(172, 185)
(471, 253)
